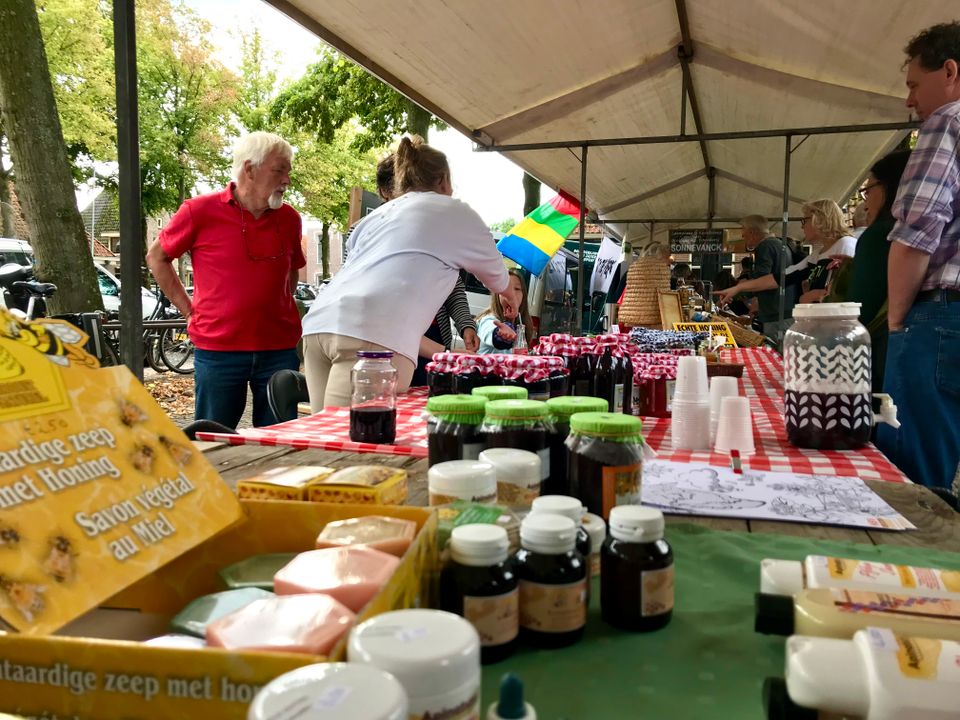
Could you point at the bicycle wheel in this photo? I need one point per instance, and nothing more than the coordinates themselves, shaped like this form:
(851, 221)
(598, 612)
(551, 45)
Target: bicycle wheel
(176, 350)
(151, 351)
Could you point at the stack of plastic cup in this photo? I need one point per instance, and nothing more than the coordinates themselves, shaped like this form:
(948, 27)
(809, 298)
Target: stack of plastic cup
(735, 428)
(690, 425)
(720, 387)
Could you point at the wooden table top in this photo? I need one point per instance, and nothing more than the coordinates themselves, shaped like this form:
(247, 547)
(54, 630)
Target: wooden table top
(938, 525)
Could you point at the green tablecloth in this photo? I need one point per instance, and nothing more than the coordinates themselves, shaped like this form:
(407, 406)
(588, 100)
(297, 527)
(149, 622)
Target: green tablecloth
(707, 663)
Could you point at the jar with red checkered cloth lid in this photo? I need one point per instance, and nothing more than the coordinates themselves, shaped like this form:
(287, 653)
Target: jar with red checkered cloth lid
(654, 390)
(536, 381)
(475, 371)
(440, 377)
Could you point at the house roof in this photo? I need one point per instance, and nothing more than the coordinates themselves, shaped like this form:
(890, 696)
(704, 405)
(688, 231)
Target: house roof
(102, 214)
(508, 73)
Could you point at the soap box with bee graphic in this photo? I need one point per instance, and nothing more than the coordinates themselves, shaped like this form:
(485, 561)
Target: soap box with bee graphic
(98, 488)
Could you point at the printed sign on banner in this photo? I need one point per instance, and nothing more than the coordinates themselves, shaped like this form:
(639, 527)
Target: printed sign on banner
(696, 241)
(720, 329)
(98, 487)
(605, 266)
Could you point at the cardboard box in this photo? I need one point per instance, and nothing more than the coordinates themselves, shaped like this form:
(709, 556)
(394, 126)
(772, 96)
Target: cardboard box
(105, 678)
(282, 483)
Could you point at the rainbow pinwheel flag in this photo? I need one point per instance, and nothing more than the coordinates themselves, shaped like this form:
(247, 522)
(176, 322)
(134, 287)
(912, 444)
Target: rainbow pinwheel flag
(536, 238)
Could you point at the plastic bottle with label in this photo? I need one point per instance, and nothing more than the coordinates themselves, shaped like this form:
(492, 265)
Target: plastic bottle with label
(788, 577)
(479, 585)
(827, 612)
(568, 507)
(636, 570)
(876, 676)
(553, 582)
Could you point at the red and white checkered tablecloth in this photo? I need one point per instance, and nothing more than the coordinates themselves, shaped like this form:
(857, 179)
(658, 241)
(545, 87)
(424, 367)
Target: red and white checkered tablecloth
(762, 382)
(329, 429)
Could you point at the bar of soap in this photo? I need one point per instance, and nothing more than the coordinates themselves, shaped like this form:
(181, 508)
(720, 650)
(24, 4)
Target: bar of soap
(255, 571)
(351, 575)
(310, 624)
(361, 484)
(390, 535)
(176, 641)
(195, 617)
(282, 483)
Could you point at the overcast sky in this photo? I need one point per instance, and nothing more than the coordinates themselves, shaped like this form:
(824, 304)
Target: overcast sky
(490, 183)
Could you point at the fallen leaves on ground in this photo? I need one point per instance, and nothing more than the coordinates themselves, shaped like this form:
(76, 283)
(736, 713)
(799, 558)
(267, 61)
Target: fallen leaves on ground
(173, 393)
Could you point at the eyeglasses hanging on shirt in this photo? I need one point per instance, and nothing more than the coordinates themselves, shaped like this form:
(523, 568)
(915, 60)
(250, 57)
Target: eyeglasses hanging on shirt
(262, 245)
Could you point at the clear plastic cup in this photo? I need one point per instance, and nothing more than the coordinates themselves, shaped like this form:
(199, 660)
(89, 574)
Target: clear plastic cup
(690, 424)
(691, 377)
(735, 426)
(720, 387)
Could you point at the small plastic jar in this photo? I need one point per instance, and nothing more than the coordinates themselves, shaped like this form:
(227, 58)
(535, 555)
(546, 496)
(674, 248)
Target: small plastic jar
(597, 530)
(522, 425)
(518, 475)
(338, 691)
(453, 428)
(480, 585)
(500, 392)
(553, 581)
(568, 507)
(461, 480)
(606, 460)
(560, 411)
(637, 574)
(435, 655)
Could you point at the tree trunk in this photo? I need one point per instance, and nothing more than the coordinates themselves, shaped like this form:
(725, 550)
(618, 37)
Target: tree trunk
(325, 249)
(418, 120)
(531, 194)
(44, 180)
(7, 223)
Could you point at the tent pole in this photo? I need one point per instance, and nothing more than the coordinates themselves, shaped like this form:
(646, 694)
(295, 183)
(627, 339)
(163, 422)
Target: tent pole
(128, 157)
(783, 228)
(583, 211)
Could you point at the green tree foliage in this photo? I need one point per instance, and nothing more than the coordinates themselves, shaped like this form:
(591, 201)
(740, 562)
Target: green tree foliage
(504, 226)
(258, 84)
(186, 100)
(334, 91)
(78, 39)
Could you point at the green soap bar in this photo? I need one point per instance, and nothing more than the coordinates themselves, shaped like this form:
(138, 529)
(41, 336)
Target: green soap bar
(195, 617)
(256, 571)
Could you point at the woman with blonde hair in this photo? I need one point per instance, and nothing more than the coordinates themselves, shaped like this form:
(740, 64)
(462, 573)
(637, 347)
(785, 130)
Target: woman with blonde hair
(403, 263)
(824, 228)
(497, 325)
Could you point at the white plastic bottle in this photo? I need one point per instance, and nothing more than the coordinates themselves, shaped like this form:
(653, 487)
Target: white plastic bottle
(876, 676)
(788, 577)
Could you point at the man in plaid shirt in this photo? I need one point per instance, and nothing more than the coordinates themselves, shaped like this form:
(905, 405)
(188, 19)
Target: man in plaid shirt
(923, 360)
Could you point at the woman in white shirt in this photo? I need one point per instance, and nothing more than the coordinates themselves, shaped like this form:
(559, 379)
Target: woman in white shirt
(824, 228)
(403, 263)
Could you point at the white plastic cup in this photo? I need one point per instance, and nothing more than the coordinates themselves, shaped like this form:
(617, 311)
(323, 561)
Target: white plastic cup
(720, 387)
(735, 426)
(691, 377)
(690, 424)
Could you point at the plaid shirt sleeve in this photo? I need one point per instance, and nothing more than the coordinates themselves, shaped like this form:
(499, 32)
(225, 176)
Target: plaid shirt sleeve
(927, 196)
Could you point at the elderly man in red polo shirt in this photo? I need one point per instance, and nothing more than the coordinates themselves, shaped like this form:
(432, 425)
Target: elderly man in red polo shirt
(244, 243)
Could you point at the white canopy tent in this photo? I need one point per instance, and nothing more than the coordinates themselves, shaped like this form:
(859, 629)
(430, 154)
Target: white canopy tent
(654, 89)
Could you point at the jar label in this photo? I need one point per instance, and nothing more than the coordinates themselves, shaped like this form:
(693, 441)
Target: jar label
(656, 591)
(496, 618)
(919, 658)
(879, 603)
(620, 486)
(517, 495)
(618, 398)
(471, 451)
(553, 608)
(595, 563)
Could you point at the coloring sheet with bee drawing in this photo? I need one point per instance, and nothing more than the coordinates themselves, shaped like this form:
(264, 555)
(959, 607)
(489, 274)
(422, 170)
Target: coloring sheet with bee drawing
(692, 489)
(98, 487)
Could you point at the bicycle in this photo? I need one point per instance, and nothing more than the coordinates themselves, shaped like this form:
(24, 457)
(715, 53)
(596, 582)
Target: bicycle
(167, 348)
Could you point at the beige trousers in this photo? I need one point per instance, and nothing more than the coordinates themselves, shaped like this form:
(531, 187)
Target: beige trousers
(328, 360)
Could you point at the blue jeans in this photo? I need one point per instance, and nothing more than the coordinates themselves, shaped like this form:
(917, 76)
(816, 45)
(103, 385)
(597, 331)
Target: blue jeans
(923, 377)
(221, 379)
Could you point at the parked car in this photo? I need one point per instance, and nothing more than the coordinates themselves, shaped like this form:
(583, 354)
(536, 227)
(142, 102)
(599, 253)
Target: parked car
(305, 294)
(110, 292)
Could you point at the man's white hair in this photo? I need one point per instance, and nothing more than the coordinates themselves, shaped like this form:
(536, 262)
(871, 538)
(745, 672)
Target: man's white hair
(255, 147)
(756, 222)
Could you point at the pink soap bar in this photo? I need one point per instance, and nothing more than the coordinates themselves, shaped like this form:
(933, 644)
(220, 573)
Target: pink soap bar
(352, 575)
(391, 535)
(310, 624)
